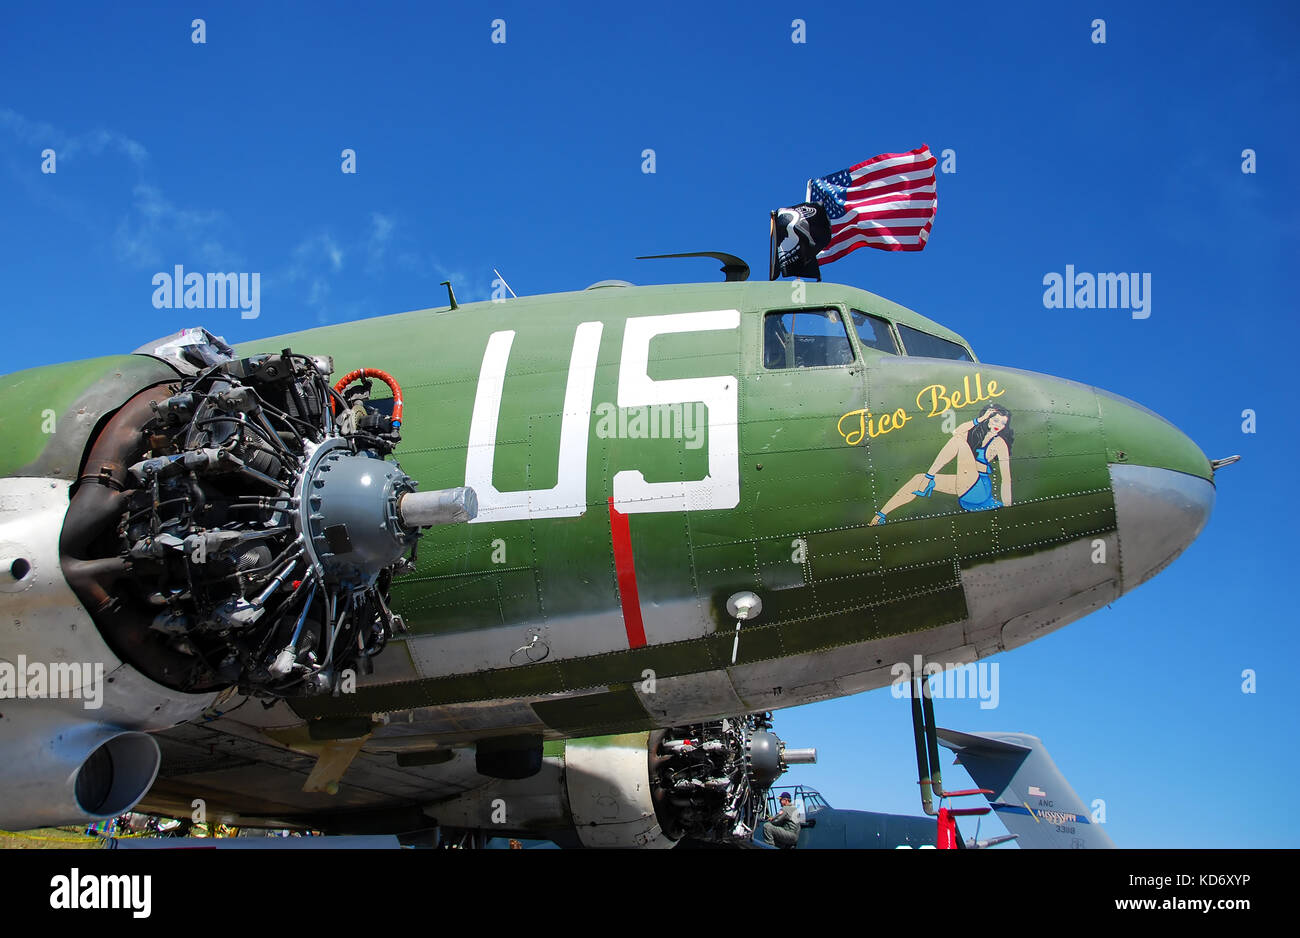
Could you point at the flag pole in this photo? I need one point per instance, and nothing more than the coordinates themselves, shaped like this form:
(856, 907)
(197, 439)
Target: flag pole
(771, 246)
(807, 197)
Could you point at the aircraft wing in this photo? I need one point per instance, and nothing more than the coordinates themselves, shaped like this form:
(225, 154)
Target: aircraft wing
(427, 779)
(245, 773)
(1030, 794)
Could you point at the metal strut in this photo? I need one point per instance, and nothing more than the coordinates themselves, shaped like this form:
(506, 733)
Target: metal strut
(925, 734)
(926, 744)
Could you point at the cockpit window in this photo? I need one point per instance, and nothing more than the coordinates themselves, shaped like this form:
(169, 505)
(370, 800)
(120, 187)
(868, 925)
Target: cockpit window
(805, 338)
(873, 332)
(924, 345)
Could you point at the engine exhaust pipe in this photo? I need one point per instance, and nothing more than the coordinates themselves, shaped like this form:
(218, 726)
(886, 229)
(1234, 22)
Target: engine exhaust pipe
(799, 756)
(446, 506)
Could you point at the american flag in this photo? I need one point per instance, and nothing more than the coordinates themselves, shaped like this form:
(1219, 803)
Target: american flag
(886, 202)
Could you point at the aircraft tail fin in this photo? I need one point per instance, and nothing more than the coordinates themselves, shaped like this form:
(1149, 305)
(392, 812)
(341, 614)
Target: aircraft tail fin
(1030, 795)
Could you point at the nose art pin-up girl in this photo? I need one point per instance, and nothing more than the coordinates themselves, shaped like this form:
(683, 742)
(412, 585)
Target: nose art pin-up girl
(975, 446)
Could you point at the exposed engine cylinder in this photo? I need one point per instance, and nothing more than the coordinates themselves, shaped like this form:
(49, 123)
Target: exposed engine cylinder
(704, 783)
(710, 780)
(243, 524)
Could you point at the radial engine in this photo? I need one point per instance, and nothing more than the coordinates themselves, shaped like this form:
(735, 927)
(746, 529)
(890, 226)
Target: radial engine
(242, 525)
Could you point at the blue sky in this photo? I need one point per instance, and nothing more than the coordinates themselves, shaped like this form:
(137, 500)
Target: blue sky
(526, 156)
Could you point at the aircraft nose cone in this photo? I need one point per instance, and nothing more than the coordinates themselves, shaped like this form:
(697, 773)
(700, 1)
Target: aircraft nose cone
(1159, 513)
(1163, 486)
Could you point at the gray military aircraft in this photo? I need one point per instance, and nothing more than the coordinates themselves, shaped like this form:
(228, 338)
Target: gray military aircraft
(1027, 790)
(1014, 771)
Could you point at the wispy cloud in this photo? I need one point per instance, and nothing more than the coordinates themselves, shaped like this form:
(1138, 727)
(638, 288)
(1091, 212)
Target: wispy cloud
(152, 230)
(146, 230)
(381, 235)
(324, 269)
(312, 264)
(71, 146)
(315, 249)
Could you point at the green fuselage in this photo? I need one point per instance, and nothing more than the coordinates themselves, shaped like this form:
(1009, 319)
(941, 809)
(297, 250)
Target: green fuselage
(702, 457)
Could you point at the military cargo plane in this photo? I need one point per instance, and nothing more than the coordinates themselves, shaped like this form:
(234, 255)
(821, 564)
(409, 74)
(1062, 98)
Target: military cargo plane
(583, 538)
(1027, 790)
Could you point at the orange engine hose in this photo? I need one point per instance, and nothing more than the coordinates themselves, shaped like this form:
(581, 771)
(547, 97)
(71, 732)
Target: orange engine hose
(382, 376)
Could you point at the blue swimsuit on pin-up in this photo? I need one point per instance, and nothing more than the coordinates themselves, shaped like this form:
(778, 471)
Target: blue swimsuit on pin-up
(979, 497)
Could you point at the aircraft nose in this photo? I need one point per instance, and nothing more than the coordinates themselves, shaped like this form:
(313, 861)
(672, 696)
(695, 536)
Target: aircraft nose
(1159, 513)
(1163, 486)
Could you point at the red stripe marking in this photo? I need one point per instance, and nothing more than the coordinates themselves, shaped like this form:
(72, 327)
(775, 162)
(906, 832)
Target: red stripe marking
(889, 156)
(834, 253)
(621, 535)
(864, 177)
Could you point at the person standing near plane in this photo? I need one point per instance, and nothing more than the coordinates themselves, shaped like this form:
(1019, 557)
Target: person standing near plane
(975, 446)
(783, 830)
